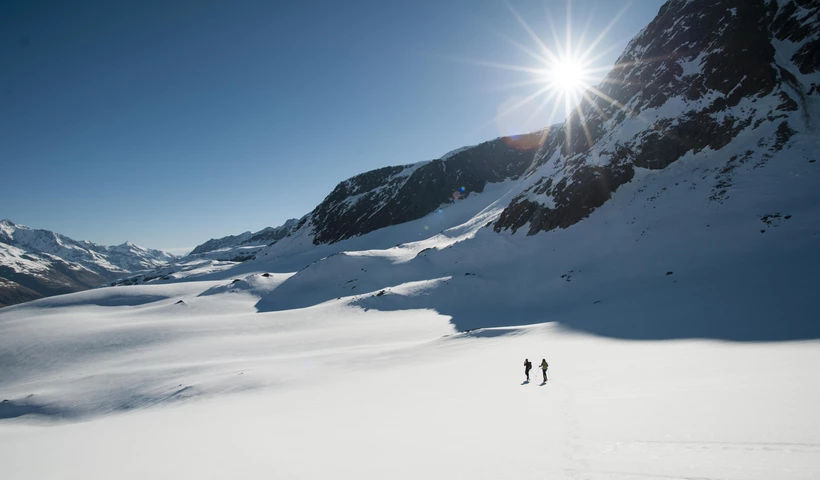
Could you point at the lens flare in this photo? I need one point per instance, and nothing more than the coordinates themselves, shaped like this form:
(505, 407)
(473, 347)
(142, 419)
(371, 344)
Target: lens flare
(563, 75)
(567, 76)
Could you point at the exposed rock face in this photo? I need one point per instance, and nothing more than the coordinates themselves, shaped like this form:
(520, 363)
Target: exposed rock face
(393, 195)
(12, 293)
(798, 22)
(576, 197)
(698, 76)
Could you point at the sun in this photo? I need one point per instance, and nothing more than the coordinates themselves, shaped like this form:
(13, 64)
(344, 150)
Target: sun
(566, 76)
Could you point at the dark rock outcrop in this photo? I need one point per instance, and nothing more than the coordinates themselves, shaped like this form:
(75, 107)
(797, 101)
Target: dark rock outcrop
(393, 195)
(12, 293)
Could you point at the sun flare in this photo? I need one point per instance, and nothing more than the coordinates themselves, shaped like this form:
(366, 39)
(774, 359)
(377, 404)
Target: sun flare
(566, 76)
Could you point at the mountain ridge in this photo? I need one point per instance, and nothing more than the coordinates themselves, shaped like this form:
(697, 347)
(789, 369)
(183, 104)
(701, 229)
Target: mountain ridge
(263, 237)
(697, 77)
(38, 262)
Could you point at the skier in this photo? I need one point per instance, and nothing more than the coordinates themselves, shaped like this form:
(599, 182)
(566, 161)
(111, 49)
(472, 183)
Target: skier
(527, 367)
(544, 367)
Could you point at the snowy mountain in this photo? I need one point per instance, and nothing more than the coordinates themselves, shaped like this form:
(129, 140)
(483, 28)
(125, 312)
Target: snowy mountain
(263, 237)
(393, 195)
(701, 144)
(698, 77)
(125, 257)
(215, 255)
(669, 276)
(47, 263)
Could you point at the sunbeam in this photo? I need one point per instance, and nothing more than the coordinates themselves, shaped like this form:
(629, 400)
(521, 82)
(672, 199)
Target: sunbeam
(563, 69)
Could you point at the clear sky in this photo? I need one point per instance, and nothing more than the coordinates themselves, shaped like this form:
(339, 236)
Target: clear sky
(167, 123)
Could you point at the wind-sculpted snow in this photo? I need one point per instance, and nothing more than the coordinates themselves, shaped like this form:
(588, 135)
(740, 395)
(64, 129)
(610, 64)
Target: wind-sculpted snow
(155, 344)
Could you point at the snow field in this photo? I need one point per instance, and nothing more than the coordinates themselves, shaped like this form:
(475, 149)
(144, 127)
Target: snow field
(455, 406)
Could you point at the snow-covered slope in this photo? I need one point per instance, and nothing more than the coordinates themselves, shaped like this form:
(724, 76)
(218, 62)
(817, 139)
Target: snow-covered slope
(49, 263)
(191, 267)
(163, 376)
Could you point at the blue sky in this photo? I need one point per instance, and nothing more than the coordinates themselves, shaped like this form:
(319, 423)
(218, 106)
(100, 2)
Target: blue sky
(168, 123)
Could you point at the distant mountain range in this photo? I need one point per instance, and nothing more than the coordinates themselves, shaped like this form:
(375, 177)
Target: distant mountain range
(214, 255)
(38, 263)
(261, 238)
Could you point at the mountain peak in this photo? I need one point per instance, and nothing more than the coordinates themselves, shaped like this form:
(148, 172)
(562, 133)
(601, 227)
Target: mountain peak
(50, 263)
(8, 223)
(7, 228)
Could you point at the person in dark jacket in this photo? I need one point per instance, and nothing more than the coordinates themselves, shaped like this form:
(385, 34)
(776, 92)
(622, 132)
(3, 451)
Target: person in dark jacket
(527, 368)
(544, 367)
